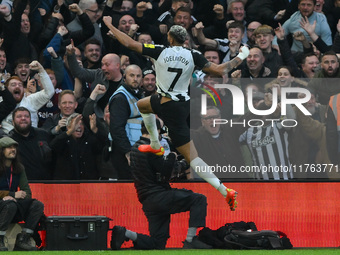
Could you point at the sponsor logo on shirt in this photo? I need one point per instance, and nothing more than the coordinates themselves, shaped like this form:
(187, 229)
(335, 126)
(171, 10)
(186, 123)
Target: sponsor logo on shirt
(263, 142)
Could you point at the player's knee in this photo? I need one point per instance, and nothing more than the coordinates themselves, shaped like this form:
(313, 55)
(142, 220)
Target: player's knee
(144, 105)
(140, 105)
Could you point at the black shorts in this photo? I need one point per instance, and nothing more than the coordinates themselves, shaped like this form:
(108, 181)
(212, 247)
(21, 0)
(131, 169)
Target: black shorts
(175, 115)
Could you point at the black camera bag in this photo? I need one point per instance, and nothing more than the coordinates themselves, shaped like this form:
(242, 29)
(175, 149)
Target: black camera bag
(244, 235)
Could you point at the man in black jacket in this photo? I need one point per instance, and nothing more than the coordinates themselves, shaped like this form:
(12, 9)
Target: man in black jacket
(7, 103)
(76, 150)
(67, 104)
(108, 75)
(33, 148)
(151, 175)
(264, 36)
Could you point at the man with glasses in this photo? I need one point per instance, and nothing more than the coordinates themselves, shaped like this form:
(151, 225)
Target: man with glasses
(218, 144)
(92, 10)
(250, 32)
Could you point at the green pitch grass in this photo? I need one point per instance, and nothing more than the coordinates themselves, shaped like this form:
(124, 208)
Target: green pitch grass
(192, 252)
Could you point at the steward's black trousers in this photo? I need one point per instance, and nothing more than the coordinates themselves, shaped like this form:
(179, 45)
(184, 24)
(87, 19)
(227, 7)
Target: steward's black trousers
(159, 206)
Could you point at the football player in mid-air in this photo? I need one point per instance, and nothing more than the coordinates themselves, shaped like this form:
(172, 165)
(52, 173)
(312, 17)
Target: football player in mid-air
(174, 66)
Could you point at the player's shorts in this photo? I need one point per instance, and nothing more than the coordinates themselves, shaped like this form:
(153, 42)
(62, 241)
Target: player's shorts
(174, 114)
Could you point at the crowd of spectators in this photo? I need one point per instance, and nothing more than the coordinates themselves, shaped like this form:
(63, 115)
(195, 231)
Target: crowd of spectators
(60, 68)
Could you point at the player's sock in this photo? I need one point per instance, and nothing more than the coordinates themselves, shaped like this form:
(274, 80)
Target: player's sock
(223, 190)
(191, 233)
(203, 171)
(131, 235)
(150, 124)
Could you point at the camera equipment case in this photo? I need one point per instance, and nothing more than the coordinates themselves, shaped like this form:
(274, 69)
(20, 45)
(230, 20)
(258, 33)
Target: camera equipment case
(77, 232)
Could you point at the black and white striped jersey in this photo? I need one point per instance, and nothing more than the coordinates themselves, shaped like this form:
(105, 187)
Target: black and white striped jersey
(174, 67)
(223, 46)
(164, 17)
(269, 148)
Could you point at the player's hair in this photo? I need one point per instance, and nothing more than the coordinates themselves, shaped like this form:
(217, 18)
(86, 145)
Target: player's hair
(179, 33)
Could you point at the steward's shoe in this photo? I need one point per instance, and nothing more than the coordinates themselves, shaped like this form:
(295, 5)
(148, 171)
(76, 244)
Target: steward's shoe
(2, 243)
(146, 148)
(231, 199)
(195, 244)
(23, 243)
(118, 237)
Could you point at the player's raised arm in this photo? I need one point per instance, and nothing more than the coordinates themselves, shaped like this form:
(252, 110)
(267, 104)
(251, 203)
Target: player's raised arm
(224, 68)
(123, 38)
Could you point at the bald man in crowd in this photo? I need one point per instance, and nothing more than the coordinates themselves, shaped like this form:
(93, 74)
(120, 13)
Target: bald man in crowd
(108, 75)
